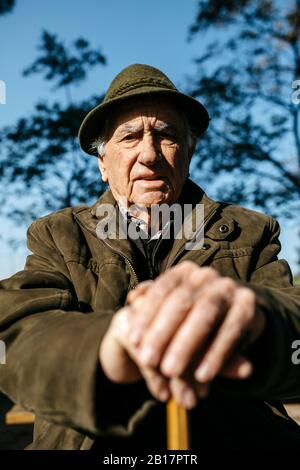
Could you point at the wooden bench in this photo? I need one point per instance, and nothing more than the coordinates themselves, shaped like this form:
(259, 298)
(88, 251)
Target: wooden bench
(293, 410)
(18, 415)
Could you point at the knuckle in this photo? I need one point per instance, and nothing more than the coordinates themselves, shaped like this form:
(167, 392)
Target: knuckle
(184, 295)
(136, 302)
(131, 293)
(120, 320)
(131, 296)
(186, 265)
(161, 288)
(199, 276)
(155, 383)
(227, 283)
(206, 314)
(209, 272)
(176, 386)
(164, 279)
(247, 295)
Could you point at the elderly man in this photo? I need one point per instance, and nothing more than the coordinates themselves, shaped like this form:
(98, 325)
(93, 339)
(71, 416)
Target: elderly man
(102, 329)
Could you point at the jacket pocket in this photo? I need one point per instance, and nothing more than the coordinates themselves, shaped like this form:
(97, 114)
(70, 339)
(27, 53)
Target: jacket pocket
(233, 263)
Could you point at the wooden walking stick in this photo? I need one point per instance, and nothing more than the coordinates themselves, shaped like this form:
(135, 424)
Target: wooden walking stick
(177, 426)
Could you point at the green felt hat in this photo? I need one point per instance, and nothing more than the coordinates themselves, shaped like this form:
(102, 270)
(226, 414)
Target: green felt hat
(139, 80)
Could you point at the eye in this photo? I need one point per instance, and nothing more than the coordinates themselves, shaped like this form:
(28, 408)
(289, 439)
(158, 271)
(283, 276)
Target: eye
(131, 137)
(168, 136)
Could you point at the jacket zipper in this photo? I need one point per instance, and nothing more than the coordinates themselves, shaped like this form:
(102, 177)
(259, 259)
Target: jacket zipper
(111, 248)
(126, 259)
(208, 218)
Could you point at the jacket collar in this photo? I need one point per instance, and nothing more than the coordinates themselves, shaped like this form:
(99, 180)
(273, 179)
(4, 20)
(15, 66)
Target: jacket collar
(89, 218)
(194, 195)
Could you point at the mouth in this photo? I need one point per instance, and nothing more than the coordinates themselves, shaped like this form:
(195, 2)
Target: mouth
(151, 177)
(153, 183)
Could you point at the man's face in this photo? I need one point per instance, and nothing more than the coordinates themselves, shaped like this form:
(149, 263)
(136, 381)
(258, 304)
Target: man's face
(146, 157)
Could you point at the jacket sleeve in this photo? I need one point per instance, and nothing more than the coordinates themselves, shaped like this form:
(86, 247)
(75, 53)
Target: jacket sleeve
(52, 365)
(275, 376)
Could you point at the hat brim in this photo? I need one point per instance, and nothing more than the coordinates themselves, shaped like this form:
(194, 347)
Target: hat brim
(90, 128)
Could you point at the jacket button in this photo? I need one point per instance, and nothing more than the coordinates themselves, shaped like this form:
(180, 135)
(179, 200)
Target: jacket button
(223, 228)
(206, 246)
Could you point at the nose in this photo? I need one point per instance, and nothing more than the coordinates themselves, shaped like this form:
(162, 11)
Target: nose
(149, 153)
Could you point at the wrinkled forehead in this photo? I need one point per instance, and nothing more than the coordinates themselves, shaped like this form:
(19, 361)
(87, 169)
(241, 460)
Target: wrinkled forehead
(161, 110)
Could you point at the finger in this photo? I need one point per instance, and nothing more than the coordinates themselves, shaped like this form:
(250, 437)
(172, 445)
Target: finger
(184, 392)
(237, 368)
(170, 316)
(156, 383)
(200, 324)
(140, 289)
(201, 275)
(164, 326)
(238, 321)
(127, 369)
(118, 359)
(147, 307)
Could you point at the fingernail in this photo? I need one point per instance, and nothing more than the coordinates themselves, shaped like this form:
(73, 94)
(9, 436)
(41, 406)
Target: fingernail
(169, 365)
(245, 370)
(203, 373)
(146, 354)
(189, 399)
(164, 395)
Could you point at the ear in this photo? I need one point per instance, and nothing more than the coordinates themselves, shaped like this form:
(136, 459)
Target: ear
(102, 169)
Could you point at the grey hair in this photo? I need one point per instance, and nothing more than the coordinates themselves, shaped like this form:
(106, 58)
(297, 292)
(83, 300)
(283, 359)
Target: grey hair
(98, 145)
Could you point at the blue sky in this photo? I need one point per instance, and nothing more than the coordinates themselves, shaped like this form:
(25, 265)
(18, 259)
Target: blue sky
(153, 32)
(126, 31)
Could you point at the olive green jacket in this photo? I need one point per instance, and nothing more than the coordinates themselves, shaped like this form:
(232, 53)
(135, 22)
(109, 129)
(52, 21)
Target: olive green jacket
(55, 312)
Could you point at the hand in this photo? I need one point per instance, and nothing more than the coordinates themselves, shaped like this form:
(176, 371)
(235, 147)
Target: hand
(190, 322)
(189, 317)
(118, 357)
